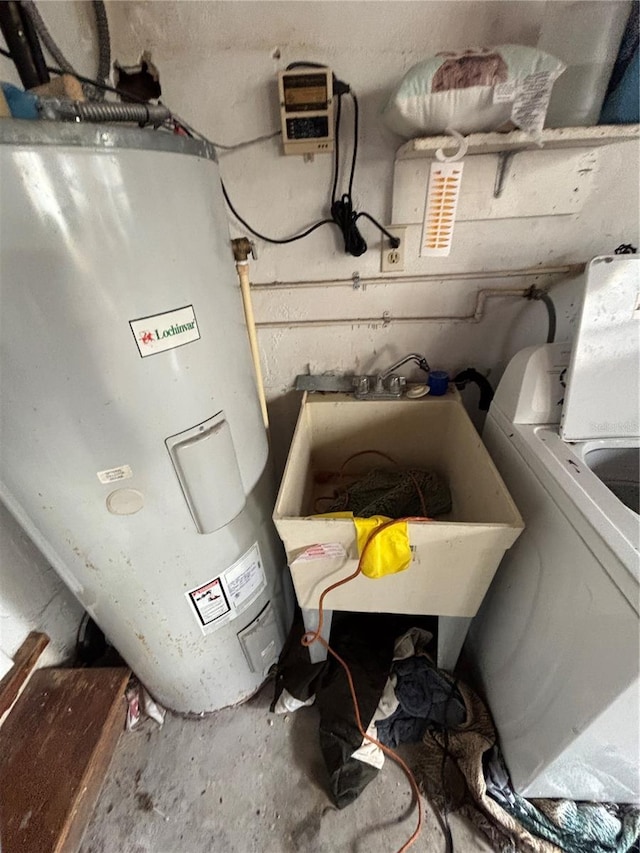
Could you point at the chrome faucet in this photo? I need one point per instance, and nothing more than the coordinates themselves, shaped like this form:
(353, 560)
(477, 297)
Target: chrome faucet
(420, 360)
(386, 385)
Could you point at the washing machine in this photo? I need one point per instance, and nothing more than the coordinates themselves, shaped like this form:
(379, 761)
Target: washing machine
(556, 642)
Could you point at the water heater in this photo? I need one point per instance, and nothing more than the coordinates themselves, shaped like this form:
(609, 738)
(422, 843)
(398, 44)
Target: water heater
(133, 450)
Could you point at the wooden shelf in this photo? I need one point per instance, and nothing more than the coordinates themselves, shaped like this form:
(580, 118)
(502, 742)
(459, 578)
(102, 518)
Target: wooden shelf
(518, 140)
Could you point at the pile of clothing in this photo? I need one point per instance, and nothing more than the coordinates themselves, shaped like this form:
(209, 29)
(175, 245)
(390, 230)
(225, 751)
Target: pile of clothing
(407, 699)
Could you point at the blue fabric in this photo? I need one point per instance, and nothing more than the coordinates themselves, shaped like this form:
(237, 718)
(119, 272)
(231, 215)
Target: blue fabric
(574, 827)
(22, 104)
(426, 697)
(622, 106)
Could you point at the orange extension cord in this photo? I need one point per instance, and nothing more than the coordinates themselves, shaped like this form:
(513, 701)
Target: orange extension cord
(311, 637)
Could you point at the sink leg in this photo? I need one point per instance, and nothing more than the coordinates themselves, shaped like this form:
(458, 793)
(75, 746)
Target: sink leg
(452, 631)
(317, 651)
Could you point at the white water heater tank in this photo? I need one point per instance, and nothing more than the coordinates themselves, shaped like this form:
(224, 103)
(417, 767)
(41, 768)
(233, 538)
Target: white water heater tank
(133, 450)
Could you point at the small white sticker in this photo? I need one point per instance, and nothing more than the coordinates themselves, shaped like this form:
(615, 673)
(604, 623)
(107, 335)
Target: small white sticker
(209, 602)
(112, 475)
(224, 597)
(504, 92)
(328, 551)
(160, 332)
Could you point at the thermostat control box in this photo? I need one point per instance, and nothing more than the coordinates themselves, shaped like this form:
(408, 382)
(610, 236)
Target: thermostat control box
(306, 110)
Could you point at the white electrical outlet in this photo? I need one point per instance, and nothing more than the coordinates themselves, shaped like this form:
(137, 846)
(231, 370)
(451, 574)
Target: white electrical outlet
(393, 259)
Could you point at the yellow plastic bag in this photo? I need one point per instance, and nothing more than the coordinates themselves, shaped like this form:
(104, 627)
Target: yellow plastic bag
(388, 553)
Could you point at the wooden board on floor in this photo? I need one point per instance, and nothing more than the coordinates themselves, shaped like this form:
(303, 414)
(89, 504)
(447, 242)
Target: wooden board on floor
(24, 662)
(55, 748)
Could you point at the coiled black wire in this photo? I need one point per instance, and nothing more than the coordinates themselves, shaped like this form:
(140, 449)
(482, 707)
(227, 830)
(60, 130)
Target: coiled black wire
(343, 214)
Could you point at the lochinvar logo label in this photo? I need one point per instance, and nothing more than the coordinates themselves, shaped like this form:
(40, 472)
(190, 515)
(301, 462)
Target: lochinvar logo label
(161, 332)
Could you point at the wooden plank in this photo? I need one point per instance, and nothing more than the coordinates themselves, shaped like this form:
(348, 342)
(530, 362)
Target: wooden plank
(89, 790)
(55, 748)
(24, 662)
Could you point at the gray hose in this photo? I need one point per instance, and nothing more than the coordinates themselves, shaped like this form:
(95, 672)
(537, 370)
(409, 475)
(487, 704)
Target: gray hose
(104, 44)
(551, 310)
(104, 41)
(47, 39)
(543, 296)
(58, 110)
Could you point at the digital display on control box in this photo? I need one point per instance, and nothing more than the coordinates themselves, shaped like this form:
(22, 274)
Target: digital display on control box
(315, 127)
(305, 92)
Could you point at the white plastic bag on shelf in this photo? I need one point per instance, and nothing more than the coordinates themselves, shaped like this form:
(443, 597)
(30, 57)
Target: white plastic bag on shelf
(476, 90)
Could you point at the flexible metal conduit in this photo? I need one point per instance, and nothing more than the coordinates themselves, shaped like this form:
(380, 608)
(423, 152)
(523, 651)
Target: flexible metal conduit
(482, 295)
(104, 41)
(59, 110)
(45, 36)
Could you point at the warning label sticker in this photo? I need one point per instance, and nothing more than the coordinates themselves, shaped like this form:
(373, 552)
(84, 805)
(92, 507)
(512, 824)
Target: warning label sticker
(209, 602)
(224, 597)
(325, 551)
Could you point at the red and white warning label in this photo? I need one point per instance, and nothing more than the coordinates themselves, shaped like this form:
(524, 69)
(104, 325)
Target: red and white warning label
(209, 602)
(226, 596)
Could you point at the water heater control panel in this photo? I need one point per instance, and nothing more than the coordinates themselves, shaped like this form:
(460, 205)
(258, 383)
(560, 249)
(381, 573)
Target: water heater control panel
(306, 110)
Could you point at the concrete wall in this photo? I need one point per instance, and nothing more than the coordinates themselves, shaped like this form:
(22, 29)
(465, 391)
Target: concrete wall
(32, 597)
(218, 64)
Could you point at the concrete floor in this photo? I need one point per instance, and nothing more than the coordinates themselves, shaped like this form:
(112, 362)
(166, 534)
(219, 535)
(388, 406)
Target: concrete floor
(246, 781)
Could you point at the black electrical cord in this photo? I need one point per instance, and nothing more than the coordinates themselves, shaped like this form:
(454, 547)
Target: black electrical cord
(177, 122)
(23, 41)
(88, 80)
(462, 379)
(446, 753)
(551, 311)
(543, 296)
(271, 239)
(343, 214)
(292, 65)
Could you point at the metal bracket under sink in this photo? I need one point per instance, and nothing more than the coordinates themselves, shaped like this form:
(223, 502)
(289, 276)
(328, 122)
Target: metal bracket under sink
(369, 387)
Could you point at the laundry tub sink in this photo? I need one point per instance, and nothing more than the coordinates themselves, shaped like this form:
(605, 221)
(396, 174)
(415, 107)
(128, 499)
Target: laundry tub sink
(454, 556)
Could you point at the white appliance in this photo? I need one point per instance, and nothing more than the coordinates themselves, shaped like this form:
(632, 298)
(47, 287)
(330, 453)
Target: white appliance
(133, 449)
(556, 642)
